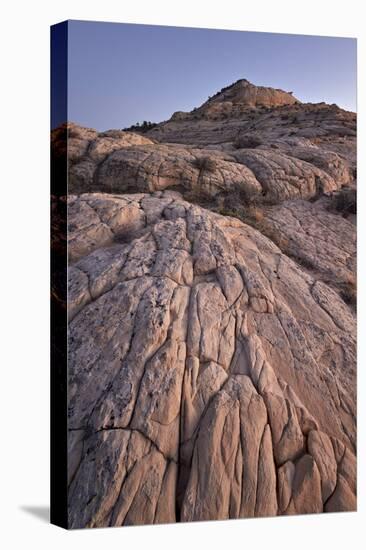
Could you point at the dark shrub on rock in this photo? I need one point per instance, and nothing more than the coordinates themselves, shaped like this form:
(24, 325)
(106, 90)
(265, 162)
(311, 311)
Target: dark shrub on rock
(247, 141)
(345, 201)
(207, 164)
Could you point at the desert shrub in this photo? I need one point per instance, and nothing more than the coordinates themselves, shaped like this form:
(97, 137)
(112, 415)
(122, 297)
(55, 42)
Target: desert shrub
(253, 214)
(348, 292)
(242, 204)
(206, 164)
(199, 194)
(141, 128)
(228, 212)
(256, 213)
(302, 260)
(345, 201)
(247, 141)
(238, 198)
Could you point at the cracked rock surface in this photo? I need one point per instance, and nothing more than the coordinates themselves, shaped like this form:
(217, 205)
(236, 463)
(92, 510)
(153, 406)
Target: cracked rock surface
(211, 376)
(299, 151)
(319, 239)
(211, 309)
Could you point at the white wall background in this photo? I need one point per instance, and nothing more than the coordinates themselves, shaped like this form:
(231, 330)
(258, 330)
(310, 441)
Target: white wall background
(24, 272)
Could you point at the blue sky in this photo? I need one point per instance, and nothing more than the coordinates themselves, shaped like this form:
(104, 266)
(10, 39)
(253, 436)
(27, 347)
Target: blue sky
(122, 73)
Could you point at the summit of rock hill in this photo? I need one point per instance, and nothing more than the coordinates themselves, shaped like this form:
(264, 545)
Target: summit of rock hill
(239, 96)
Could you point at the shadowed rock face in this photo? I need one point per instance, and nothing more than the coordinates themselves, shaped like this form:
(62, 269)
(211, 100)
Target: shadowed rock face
(210, 376)
(212, 361)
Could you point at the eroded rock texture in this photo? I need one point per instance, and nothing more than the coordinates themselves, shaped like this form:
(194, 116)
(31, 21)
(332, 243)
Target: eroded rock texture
(269, 145)
(211, 376)
(212, 325)
(319, 239)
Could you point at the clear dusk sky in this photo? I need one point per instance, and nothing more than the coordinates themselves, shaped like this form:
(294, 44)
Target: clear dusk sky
(119, 74)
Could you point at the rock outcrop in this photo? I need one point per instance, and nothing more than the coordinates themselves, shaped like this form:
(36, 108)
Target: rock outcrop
(234, 100)
(211, 309)
(289, 171)
(210, 376)
(283, 150)
(319, 239)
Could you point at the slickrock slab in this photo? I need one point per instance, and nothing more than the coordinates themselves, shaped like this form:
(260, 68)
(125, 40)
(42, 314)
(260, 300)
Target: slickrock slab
(210, 375)
(290, 171)
(321, 240)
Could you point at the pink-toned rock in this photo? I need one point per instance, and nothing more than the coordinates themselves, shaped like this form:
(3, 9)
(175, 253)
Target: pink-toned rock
(199, 370)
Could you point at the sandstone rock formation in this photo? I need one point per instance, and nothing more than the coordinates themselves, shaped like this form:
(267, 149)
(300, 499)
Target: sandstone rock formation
(281, 151)
(235, 99)
(210, 376)
(212, 359)
(320, 240)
